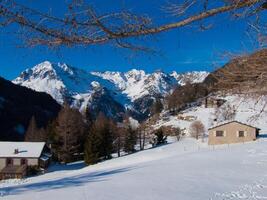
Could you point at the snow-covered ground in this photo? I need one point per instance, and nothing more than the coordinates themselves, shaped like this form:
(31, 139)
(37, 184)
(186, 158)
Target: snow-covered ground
(249, 110)
(181, 170)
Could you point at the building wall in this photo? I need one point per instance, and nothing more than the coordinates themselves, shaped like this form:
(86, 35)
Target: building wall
(231, 134)
(33, 161)
(16, 161)
(2, 163)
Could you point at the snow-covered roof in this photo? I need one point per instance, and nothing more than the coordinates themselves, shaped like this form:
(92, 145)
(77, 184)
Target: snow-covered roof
(25, 149)
(228, 122)
(44, 158)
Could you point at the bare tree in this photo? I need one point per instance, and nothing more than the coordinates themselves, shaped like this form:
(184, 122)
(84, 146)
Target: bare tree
(69, 138)
(35, 134)
(144, 131)
(119, 138)
(82, 25)
(225, 113)
(197, 129)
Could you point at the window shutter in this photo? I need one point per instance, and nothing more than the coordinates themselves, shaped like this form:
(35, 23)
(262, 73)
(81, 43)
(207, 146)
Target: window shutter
(224, 133)
(245, 134)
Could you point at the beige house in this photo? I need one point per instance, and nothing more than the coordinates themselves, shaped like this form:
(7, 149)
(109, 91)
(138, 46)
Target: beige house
(17, 157)
(232, 132)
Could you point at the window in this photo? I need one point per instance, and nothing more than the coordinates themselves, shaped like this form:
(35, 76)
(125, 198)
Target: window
(241, 133)
(219, 133)
(23, 161)
(9, 161)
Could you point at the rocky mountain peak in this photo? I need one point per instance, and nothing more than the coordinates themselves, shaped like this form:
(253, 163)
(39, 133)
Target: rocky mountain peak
(79, 87)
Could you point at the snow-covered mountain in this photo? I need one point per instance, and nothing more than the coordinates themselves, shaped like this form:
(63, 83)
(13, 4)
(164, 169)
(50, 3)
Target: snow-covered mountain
(137, 84)
(190, 77)
(60, 81)
(133, 90)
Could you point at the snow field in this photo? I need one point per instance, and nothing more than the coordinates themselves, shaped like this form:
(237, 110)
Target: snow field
(181, 170)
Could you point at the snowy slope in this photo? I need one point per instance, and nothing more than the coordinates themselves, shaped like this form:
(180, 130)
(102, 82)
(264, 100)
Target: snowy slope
(185, 170)
(249, 110)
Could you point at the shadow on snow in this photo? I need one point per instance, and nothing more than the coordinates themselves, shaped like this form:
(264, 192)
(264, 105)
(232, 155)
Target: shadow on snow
(72, 181)
(67, 167)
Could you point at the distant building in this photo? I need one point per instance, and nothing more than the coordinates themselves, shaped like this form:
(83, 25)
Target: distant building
(212, 102)
(16, 158)
(232, 132)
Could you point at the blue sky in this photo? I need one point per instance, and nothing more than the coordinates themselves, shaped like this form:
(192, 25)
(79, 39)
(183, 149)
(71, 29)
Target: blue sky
(181, 50)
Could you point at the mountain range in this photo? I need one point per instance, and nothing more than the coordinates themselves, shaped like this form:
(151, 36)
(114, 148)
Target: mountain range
(113, 93)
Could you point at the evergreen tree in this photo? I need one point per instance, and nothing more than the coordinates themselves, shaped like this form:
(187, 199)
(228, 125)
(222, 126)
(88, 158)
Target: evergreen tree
(52, 138)
(92, 147)
(130, 140)
(103, 125)
(161, 138)
(99, 143)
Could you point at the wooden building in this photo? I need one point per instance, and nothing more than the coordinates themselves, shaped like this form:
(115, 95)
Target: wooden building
(16, 158)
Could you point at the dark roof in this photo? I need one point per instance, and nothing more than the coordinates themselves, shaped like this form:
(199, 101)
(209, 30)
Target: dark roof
(229, 122)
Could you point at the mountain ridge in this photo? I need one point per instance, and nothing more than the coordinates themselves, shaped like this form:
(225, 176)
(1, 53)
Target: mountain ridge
(134, 89)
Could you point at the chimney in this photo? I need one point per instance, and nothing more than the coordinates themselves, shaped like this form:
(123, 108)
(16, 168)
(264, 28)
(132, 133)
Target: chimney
(16, 151)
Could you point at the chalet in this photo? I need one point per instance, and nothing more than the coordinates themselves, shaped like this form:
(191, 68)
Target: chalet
(232, 132)
(17, 158)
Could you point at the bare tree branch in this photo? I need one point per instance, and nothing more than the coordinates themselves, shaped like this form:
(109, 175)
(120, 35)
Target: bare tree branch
(81, 25)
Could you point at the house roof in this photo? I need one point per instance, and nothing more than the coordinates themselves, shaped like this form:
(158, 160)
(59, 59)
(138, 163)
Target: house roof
(231, 121)
(25, 149)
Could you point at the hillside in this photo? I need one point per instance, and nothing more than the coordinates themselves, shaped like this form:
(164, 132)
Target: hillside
(189, 170)
(18, 104)
(240, 84)
(248, 109)
(245, 72)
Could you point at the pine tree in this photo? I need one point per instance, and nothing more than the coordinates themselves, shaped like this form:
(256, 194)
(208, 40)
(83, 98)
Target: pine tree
(99, 143)
(103, 125)
(161, 138)
(92, 147)
(130, 140)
